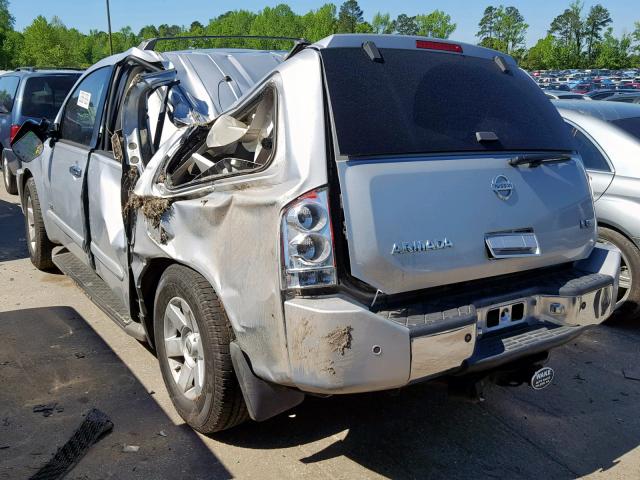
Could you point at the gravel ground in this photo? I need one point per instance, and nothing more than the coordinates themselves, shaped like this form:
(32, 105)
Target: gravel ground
(57, 347)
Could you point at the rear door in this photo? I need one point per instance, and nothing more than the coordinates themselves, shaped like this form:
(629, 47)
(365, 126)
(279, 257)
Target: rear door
(424, 142)
(79, 131)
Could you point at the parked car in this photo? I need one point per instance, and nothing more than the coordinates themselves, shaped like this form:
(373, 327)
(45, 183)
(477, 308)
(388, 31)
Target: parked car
(605, 94)
(559, 95)
(583, 88)
(625, 98)
(28, 93)
(607, 135)
(345, 217)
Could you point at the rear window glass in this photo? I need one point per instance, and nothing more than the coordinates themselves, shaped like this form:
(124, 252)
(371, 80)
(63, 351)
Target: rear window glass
(44, 95)
(630, 125)
(423, 102)
(8, 87)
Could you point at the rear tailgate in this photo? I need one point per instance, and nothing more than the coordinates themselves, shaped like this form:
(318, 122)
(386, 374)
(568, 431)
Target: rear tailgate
(423, 140)
(420, 223)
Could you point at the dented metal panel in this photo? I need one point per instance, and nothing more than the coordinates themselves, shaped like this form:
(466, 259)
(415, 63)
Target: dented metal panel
(228, 230)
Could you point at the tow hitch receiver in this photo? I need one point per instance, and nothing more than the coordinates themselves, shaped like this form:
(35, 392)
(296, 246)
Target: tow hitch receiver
(541, 378)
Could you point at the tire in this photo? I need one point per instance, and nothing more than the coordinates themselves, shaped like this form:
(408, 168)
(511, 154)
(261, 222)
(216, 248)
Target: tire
(40, 247)
(628, 302)
(10, 184)
(212, 401)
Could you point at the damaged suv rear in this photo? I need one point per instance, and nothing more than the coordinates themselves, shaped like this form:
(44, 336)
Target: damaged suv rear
(342, 218)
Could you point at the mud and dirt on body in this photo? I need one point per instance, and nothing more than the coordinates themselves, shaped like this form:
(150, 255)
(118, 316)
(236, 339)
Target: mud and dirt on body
(153, 208)
(340, 339)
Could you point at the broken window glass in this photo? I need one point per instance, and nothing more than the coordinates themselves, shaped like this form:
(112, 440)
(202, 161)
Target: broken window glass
(233, 144)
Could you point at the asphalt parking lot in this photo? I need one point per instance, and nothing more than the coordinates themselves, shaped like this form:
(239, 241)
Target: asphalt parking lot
(56, 347)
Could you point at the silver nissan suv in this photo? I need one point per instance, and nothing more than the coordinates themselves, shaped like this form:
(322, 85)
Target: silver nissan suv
(345, 217)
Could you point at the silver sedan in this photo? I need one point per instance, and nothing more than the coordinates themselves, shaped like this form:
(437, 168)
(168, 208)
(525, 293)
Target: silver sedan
(607, 135)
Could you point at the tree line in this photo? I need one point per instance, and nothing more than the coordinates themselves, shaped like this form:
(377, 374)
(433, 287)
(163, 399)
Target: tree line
(576, 38)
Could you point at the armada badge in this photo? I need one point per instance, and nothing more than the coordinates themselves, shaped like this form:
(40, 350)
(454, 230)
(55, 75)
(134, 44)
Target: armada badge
(419, 246)
(502, 187)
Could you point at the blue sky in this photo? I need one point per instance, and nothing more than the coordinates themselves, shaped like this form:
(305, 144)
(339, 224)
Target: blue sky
(90, 14)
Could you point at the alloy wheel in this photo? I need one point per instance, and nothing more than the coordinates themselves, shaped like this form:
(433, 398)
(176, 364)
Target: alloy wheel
(31, 224)
(183, 348)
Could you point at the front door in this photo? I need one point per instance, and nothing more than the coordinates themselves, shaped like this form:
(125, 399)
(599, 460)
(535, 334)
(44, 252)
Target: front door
(79, 129)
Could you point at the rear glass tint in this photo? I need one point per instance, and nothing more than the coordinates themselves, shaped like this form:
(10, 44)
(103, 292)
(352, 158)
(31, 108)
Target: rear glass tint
(44, 95)
(428, 102)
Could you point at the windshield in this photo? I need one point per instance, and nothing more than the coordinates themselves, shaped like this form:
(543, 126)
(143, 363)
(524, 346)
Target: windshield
(44, 95)
(630, 125)
(421, 102)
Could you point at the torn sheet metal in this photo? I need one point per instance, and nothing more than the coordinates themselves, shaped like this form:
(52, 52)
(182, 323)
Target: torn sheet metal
(229, 231)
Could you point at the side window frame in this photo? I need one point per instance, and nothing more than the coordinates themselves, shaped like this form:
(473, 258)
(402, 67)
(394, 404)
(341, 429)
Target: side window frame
(596, 145)
(98, 124)
(238, 110)
(14, 95)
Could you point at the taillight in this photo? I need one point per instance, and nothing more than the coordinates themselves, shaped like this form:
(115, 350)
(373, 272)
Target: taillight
(431, 45)
(13, 132)
(307, 242)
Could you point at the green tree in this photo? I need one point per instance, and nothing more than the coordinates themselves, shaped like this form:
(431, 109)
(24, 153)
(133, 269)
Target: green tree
(364, 27)
(6, 37)
(568, 28)
(613, 52)
(12, 45)
(436, 24)
(349, 17)
(598, 19)
(542, 55)
(320, 23)
(279, 21)
(503, 29)
(237, 22)
(382, 23)
(512, 29)
(487, 25)
(148, 31)
(406, 25)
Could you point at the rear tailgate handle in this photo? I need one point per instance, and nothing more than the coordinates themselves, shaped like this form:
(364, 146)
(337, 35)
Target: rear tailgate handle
(75, 170)
(512, 244)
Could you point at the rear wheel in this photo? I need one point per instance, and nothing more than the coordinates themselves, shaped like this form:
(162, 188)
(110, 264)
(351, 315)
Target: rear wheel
(628, 301)
(192, 337)
(10, 184)
(40, 247)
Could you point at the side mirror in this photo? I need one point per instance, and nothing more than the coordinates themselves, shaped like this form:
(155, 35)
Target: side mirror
(226, 130)
(28, 143)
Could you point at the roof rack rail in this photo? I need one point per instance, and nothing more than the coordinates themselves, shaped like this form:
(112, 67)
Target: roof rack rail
(33, 69)
(150, 44)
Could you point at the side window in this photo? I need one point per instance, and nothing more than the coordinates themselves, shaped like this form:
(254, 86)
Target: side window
(8, 87)
(591, 156)
(82, 110)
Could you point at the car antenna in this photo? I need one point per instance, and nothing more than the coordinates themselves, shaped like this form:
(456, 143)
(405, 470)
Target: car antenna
(502, 63)
(372, 51)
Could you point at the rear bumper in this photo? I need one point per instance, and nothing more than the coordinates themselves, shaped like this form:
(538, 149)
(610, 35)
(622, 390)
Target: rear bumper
(337, 345)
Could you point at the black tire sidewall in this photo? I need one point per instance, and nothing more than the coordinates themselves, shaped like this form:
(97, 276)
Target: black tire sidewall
(632, 257)
(28, 194)
(195, 412)
(9, 179)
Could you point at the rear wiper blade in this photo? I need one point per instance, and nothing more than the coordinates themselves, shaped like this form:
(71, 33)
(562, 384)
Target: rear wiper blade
(535, 160)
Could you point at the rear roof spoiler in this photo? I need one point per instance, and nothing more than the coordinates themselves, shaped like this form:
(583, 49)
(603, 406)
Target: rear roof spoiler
(150, 44)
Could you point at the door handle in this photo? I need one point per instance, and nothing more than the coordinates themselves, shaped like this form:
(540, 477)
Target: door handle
(75, 170)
